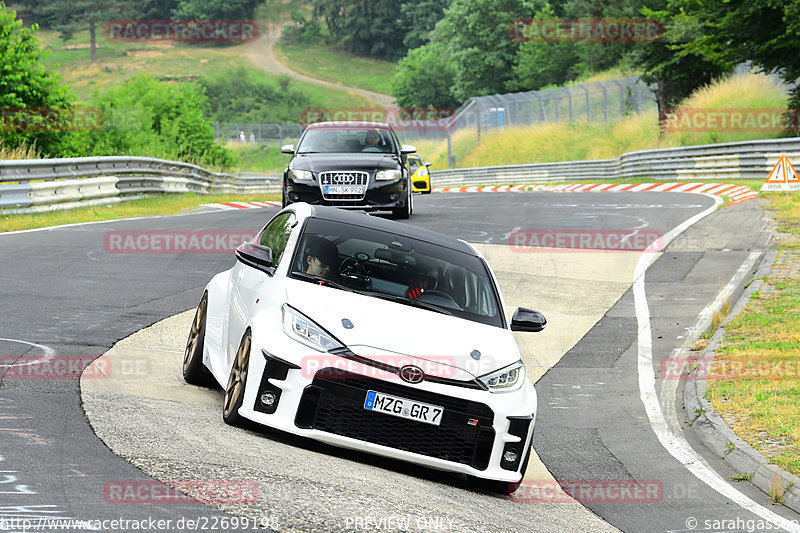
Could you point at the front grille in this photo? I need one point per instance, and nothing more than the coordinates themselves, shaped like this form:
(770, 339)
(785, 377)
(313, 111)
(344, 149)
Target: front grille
(345, 177)
(334, 403)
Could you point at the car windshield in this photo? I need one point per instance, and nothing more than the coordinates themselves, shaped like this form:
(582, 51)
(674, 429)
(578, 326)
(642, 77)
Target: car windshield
(401, 269)
(350, 140)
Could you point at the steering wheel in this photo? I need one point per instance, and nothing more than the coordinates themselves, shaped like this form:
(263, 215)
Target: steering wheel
(372, 148)
(439, 298)
(355, 268)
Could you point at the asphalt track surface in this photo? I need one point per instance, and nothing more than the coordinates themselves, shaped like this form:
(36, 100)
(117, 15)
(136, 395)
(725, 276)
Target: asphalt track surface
(63, 293)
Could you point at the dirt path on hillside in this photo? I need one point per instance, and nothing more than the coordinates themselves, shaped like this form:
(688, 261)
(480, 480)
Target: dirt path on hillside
(261, 54)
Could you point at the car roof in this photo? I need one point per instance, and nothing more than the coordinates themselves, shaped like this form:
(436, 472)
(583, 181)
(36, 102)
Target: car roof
(359, 218)
(348, 124)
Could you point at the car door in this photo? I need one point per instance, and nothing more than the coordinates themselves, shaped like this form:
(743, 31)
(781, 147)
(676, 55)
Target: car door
(249, 283)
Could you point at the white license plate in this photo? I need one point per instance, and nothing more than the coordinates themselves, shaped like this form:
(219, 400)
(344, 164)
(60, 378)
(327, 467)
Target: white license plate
(403, 407)
(344, 189)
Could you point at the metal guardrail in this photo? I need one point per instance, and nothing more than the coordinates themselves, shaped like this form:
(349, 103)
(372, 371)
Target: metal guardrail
(29, 185)
(747, 159)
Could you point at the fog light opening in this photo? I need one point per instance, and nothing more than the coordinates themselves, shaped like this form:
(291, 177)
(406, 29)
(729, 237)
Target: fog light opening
(510, 456)
(293, 196)
(394, 196)
(268, 399)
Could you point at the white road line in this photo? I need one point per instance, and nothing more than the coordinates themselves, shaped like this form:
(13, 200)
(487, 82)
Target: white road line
(674, 443)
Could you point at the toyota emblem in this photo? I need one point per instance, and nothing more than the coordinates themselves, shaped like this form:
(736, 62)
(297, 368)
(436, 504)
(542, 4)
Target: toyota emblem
(412, 374)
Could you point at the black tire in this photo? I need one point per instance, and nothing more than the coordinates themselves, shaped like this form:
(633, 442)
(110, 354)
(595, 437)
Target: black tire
(404, 212)
(194, 371)
(426, 192)
(234, 390)
(284, 203)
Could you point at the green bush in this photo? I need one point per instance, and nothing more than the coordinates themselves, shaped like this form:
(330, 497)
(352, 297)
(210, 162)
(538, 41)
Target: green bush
(146, 117)
(242, 95)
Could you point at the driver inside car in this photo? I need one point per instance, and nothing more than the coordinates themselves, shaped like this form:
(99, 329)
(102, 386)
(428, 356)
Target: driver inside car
(421, 280)
(373, 138)
(322, 258)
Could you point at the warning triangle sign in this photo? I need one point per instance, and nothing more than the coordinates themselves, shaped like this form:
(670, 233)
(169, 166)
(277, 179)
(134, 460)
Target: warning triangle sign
(783, 177)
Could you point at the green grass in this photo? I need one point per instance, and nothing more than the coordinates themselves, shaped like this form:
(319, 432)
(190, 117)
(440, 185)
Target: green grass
(760, 398)
(259, 158)
(145, 207)
(338, 66)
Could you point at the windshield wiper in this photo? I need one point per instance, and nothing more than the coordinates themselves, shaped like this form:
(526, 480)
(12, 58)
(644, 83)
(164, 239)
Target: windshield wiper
(322, 281)
(406, 301)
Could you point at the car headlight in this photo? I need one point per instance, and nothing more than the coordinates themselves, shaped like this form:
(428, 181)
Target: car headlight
(388, 175)
(423, 171)
(304, 330)
(301, 174)
(506, 379)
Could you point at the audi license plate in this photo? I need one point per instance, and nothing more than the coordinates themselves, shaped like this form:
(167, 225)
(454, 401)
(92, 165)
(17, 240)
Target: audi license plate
(403, 407)
(344, 189)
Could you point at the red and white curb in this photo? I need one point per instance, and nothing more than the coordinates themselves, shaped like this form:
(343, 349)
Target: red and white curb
(736, 193)
(243, 205)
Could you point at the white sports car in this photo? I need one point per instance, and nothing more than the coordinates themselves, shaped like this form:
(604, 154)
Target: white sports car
(372, 335)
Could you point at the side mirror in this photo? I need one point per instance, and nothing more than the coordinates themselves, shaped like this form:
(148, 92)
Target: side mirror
(527, 320)
(287, 149)
(256, 256)
(428, 163)
(408, 149)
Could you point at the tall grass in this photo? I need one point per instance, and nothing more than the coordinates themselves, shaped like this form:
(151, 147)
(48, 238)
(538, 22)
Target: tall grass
(24, 151)
(564, 141)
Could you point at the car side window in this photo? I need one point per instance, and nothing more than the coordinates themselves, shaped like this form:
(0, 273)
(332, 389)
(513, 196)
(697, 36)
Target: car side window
(276, 235)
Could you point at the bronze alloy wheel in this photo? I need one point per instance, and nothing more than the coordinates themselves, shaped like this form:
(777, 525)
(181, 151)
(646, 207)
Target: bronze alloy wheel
(194, 371)
(234, 391)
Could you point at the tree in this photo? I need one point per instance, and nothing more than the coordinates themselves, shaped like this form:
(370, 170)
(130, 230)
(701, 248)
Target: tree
(366, 27)
(421, 17)
(215, 9)
(424, 78)
(28, 90)
(477, 36)
(763, 32)
(69, 17)
(676, 73)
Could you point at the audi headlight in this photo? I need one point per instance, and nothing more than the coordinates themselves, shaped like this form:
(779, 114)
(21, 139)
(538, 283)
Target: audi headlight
(304, 330)
(388, 174)
(301, 174)
(506, 379)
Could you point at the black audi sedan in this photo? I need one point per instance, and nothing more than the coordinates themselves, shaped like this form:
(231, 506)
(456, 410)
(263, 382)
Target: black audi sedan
(354, 165)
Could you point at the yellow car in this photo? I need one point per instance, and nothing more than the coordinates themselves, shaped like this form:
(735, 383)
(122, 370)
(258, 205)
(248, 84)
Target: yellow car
(420, 177)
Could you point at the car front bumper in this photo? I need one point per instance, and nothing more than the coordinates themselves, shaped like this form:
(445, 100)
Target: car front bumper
(477, 429)
(379, 195)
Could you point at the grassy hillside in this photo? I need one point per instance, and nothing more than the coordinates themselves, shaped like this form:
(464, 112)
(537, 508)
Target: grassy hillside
(338, 66)
(117, 62)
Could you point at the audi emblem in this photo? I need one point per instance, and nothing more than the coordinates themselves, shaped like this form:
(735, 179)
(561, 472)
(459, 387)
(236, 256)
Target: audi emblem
(343, 178)
(412, 374)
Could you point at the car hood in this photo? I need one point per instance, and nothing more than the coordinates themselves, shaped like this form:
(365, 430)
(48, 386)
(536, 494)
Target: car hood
(383, 330)
(363, 161)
